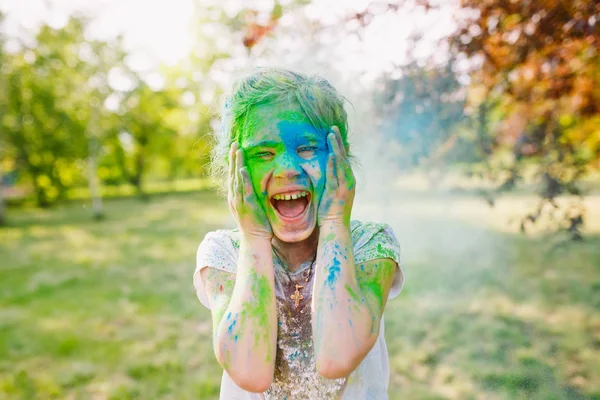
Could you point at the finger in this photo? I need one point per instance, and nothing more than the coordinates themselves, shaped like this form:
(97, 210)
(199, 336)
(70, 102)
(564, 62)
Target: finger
(331, 181)
(239, 159)
(340, 141)
(333, 144)
(339, 161)
(247, 184)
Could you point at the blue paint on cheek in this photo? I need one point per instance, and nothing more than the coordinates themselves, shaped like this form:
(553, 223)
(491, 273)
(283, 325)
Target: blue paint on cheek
(293, 134)
(320, 178)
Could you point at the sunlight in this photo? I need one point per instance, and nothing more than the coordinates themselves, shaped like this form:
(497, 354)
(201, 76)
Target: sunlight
(160, 32)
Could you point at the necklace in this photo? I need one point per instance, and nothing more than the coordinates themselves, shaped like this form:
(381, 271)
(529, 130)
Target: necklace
(297, 296)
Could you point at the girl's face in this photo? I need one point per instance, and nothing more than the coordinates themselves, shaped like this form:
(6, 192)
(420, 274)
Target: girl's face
(286, 157)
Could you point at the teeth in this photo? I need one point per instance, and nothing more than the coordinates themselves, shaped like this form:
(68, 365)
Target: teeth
(288, 196)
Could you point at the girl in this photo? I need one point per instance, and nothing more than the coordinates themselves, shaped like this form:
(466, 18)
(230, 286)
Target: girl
(297, 291)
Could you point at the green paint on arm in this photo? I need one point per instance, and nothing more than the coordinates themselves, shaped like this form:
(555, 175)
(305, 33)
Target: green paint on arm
(373, 276)
(256, 310)
(353, 294)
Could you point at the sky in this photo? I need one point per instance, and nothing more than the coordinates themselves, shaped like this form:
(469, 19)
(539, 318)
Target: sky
(160, 31)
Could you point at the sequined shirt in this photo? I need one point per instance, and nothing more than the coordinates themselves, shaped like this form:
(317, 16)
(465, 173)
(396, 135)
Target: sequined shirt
(295, 371)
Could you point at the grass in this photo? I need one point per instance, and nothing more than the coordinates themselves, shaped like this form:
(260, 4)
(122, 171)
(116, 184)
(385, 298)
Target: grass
(106, 310)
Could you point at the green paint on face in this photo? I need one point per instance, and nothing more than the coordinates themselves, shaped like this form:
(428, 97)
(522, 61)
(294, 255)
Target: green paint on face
(281, 141)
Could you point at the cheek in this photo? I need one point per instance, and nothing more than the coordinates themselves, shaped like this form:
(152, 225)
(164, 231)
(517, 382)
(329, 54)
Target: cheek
(259, 173)
(316, 169)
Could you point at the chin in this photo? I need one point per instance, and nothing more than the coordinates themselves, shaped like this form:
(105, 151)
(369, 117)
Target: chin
(296, 228)
(293, 235)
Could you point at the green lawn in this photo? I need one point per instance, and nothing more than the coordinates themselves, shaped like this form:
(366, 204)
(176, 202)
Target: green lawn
(106, 310)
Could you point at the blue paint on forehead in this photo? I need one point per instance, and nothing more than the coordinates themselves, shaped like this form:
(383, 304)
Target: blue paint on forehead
(294, 133)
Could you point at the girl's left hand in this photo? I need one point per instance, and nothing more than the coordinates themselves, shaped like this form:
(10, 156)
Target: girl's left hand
(338, 194)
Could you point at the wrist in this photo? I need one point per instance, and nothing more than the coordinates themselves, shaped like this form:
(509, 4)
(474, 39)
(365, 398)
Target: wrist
(334, 223)
(253, 240)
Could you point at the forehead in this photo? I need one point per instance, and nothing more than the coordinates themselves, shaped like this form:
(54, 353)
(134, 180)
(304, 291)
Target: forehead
(276, 123)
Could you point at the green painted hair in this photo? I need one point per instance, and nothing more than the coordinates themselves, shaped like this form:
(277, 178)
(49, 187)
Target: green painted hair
(317, 98)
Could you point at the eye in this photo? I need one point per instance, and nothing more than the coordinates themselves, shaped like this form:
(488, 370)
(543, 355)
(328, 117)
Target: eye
(263, 154)
(306, 151)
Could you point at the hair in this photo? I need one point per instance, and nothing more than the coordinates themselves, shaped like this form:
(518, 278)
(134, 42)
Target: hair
(316, 97)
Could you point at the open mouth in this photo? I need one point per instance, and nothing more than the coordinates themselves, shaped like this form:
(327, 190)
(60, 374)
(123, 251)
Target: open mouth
(291, 205)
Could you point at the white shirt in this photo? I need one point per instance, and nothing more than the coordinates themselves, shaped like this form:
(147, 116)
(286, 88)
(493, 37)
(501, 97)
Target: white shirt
(295, 372)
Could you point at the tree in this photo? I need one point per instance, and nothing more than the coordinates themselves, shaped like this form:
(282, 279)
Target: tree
(146, 130)
(101, 57)
(541, 60)
(3, 144)
(44, 121)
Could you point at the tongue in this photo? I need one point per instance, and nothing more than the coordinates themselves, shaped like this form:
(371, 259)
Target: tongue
(291, 208)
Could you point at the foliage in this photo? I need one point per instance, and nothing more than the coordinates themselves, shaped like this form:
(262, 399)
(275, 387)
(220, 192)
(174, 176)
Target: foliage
(43, 126)
(532, 98)
(56, 116)
(541, 61)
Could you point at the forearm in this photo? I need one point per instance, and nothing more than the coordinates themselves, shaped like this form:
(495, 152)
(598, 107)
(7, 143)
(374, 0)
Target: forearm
(343, 324)
(246, 337)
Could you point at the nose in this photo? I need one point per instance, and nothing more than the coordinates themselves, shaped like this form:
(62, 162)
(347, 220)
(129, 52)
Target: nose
(287, 167)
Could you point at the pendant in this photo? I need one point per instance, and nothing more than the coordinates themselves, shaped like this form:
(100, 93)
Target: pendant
(297, 296)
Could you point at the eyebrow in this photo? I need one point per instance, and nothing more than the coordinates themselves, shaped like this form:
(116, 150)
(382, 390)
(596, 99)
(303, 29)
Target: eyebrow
(264, 143)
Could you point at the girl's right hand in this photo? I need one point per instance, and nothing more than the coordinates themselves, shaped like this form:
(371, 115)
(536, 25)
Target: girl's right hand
(243, 202)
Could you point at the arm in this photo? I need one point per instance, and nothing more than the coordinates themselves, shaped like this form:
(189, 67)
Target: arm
(348, 302)
(347, 306)
(244, 316)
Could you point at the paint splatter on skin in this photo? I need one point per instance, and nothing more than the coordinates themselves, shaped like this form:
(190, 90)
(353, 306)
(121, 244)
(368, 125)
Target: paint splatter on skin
(354, 295)
(283, 148)
(232, 323)
(255, 311)
(334, 273)
(372, 277)
(274, 142)
(220, 299)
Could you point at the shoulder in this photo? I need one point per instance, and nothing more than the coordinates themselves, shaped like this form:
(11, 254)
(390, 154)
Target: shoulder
(222, 237)
(374, 240)
(219, 249)
(377, 241)
(368, 229)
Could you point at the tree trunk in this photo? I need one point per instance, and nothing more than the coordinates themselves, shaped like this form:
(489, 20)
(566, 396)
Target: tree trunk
(140, 165)
(93, 181)
(2, 204)
(97, 207)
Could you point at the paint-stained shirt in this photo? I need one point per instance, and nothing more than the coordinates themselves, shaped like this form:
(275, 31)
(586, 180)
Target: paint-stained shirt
(296, 376)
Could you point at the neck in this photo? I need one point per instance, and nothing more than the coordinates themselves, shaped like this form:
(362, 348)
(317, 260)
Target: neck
(297, 253)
